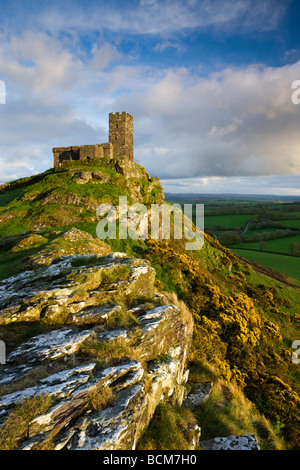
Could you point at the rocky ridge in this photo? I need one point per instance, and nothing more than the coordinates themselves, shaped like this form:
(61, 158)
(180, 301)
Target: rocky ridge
(109, 351)
(98, 344)
(94, 339)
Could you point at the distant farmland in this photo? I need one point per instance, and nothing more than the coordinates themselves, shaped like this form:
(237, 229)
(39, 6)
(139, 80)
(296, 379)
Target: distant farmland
(289, 265)
(262, 230)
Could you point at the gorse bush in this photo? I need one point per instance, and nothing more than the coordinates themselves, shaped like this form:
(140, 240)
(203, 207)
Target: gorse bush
(228, 412)
(234, 332)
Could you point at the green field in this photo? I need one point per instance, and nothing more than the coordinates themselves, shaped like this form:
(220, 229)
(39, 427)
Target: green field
(279, 245)
(226, 221)
(289, 265)
(228, 216)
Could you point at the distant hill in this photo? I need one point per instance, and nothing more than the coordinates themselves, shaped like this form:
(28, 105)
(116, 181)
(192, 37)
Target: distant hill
(229, 196)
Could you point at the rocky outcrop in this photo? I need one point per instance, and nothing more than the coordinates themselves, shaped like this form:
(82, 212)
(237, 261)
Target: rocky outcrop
(142, 187)
(245, 442)
(86, 333)
(94, 177)
(71, 285)
(199, 394)
(112, 349)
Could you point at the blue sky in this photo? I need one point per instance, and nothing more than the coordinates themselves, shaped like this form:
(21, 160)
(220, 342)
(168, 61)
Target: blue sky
(207, 81)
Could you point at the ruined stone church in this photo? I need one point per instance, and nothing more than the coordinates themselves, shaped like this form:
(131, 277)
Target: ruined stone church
(120, 143)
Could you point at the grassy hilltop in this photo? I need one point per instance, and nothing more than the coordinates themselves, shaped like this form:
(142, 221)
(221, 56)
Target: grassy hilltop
(244, 321)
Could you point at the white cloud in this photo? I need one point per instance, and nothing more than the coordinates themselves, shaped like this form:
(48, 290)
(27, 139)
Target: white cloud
(239, 122)
(162, 46)
(37, 66)
(104, 55)
(275, 185)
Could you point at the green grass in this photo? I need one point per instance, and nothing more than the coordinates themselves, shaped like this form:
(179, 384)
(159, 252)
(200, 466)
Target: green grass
(226, 221)
(10, 262)
(278, 245)
(56, 199)
(285, 317)
(169, 429)
(284, 264)
(228, 412)
(225, 412)
(16, 426)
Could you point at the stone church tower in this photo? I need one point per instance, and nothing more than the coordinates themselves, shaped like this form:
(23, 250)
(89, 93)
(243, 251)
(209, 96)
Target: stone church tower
(121, 134)
(120, 143)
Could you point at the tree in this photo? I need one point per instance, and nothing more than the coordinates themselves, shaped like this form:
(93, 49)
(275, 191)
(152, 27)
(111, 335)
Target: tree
(229, 238)
(295, 249)
(262, 245)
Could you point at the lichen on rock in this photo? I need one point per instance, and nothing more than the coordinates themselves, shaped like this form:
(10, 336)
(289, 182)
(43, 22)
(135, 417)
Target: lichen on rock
(95, 305)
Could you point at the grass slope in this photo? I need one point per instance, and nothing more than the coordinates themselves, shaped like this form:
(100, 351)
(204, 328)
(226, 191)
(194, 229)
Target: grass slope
(245, 322)
(286, 264)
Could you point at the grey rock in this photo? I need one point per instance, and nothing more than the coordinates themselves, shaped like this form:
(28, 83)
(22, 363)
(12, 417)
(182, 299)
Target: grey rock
(49, 346)
(60, 384)
(245, 442)
(199, 394)
(73, 290)
(95, 314)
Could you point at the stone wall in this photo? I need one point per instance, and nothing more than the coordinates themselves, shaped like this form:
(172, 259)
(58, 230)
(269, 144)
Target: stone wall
(120, 143)
(83, 152)
(62, 154)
